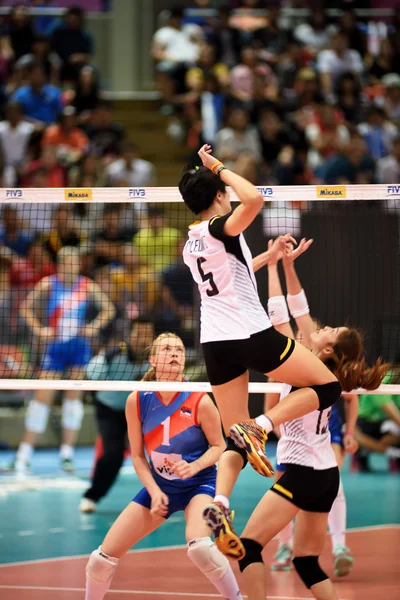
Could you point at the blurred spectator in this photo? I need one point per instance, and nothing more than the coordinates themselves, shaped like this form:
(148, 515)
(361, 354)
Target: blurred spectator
(136, 171)
(386, 62)
(325, 134)
(290, 64)
(378, 132)
(51, 172)
(69, 142)
(314, 34)
(388, 168)
(177, 298)
(175, 47)
(226, 39)
(350, 99)
(390, 99)
(40, 55)
(105, 135)
(27, 272)
(86, 95)
(63, 233)
(356, 37)
(12, 232)
(334, 62)
(237, 139)
(15, 135)
(242, 76)
(40, 101)
(109, 242)
(271, 40)
(157, 243)
(352, 164)
(72, 43)
(19, 32)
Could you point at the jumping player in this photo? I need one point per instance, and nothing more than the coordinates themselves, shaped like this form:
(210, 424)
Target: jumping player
(310, 483)
(236, 333)
(341, 442)
(56, 311)
(181, 434)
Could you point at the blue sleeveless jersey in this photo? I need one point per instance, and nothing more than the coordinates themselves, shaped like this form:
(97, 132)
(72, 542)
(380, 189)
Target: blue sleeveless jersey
(67, 306)
(171, 433)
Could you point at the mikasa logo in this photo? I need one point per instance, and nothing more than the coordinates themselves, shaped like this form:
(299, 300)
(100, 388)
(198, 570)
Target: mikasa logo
(331, 191)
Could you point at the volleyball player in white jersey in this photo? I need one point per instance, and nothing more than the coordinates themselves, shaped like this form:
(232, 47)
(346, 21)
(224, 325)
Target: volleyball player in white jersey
(310, 484)
(236, 333)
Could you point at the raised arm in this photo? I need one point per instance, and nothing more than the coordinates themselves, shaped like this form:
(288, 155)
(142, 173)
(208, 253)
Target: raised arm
(296, 297)
(277, 309)
(250, 198)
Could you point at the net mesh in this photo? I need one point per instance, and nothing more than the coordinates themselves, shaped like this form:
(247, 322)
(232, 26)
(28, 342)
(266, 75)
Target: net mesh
(125, 282)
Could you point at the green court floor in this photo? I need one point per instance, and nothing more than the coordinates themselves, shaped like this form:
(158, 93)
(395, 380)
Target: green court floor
(39, 517)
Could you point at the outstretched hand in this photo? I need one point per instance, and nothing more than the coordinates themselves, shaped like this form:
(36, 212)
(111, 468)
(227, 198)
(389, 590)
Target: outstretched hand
(291, 254)
(206, 157)
(277, 247)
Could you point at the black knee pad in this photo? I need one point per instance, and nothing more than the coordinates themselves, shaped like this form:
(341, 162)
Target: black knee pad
(309, 570)
(230, 445)
(328, 394)
(253, 553)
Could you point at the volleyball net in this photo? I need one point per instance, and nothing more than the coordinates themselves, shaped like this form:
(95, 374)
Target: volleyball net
(85, 318)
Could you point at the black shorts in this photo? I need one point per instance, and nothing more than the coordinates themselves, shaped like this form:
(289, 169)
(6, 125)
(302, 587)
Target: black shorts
(308, 488)
(264, 352)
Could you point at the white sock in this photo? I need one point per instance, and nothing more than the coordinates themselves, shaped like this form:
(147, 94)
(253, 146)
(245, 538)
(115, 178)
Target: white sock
(265, 422)
(96, 590)
(99, 574)
(227, 585)
(337, 519)
(222, 499)
(24, 453)
(66, 452)
(285, 536)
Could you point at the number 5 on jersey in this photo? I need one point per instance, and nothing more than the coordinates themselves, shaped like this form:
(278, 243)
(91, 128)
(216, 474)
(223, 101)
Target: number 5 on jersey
(212, 290)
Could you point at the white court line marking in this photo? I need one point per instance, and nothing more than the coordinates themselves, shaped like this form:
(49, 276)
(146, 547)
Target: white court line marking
(25, 533)
(162, 548)
(87, 527)
(141, 592)
(57, 530)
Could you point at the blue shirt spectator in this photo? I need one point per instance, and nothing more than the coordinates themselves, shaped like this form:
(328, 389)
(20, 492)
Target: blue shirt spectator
(11, 234)
(39, 100)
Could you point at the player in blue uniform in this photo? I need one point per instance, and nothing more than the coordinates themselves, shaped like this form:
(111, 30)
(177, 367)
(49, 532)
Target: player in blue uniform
(56, 310)
(182, 437)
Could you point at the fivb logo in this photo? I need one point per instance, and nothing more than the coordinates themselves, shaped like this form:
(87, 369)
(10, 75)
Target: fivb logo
(266, 192)
(14, 194)
(137, 193)
(393, 191)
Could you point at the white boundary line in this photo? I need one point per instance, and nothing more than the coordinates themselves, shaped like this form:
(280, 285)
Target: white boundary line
(176, 547)
(141, 592)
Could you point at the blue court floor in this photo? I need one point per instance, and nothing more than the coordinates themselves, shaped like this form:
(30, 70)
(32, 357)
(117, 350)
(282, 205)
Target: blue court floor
(40, 518)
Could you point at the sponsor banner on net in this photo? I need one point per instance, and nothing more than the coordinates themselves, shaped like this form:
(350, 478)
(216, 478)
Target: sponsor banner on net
(78, 194)
(331, 191)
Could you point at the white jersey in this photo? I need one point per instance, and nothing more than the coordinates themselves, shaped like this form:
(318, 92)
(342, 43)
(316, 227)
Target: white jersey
(221, 266)
(306, 441)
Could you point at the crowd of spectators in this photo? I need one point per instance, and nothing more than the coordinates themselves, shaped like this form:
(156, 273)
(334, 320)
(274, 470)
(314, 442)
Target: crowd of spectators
(311, 101)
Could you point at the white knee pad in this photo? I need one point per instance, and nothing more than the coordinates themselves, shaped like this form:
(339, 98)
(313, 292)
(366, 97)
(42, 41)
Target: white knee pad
(207, 558)
(37, 416)
(101, 567)
(72, 414)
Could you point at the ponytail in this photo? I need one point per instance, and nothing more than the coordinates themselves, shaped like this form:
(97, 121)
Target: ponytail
(150, 375)
(349, 366)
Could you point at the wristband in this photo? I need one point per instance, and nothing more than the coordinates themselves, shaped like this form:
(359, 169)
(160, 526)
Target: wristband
(277, 310)
(298, 304)
(220, 168)
(216, 164)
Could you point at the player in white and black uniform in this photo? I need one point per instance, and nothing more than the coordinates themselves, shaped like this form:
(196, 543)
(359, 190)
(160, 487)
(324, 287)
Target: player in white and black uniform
(236, 333)
(310, 483)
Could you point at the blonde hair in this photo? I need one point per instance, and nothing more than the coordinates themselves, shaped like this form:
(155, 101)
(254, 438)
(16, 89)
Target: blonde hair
(151, 373)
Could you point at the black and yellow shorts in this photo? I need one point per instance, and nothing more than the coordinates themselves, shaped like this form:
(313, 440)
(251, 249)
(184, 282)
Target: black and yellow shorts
(263, 351)
(308, 488)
